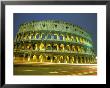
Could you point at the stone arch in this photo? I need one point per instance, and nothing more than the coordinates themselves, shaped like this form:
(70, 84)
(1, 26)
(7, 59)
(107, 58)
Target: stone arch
(61, 59)
(67, 37)
(72, 38)
(74, 48)
(42, 47)
(38, 36)
(67, 59)
(43, 36)
(55, 47)
(81, 40)
(41, 58)
(77, 39)
(28, 46)
(36, 46)
(48, 47)
(61, 47)
(54, 36)
(34, 57)
(29, 36)
(55, 59)
(67, 48)
(33, 35)
(49, 36)
(61, 37)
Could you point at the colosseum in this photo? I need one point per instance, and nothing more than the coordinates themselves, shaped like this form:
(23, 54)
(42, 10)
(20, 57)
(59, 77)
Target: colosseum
(53, 41)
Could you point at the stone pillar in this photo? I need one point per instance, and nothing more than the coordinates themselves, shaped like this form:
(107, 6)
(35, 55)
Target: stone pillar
(84, 59)
(34, 58)
(88, 60)
(67, 59)
(56, 59)
(51, 59)
(41, 58)
(73, 59)
(80, 59)
(28, 57)
(37, 58)
(61, 59)
(46, 58)
(76, 59)
(64, 59)
(92, 60)
(24, 58)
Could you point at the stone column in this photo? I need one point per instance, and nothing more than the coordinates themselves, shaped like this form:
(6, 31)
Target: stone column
(37, 58)
(28, 57)
(40, 58)
(73, 59)
(84, 59)
(76, 59)
(67, 59)
(64, 59)
(58, 59)
(88, 60)
(34, 57)
(92, 60)
(51, 59)
(80, 59)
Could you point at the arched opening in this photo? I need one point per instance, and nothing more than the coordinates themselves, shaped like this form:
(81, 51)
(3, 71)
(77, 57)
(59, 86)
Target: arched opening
(54, 36)
(72, 38)
(49, 36)
(67, 48)
(48, 47)
(42, 47)
(55, 46)
(33, 35)
(41, 58)
(61, 47)
(61, 59)
(84, 41)
(43, 36)
(81, 41)
(48, 58)
(37, 36)
(77, 40)
(36, 47)
(78, 48)
(73, 48)
(61, 37)
(67, 37)
(55, 59)
(67, 59)
(29, 37)
(29, 46)
(34, 58)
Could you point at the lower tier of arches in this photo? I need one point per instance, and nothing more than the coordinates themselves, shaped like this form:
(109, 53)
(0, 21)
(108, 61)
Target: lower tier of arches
(55, 58)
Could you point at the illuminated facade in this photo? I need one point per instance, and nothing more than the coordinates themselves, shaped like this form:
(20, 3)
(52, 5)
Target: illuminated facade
(53, 41)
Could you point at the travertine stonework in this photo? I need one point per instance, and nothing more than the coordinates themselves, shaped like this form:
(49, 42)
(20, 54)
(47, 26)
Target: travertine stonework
(53, 41)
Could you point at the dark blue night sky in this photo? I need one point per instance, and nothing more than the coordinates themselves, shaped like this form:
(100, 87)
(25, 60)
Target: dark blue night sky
(88, 21)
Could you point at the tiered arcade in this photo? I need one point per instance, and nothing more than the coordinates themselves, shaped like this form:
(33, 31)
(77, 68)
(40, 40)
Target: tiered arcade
(53, 41)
